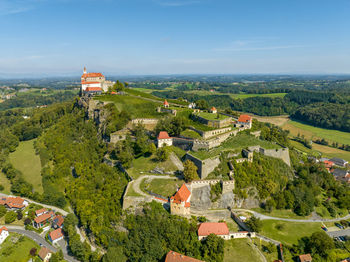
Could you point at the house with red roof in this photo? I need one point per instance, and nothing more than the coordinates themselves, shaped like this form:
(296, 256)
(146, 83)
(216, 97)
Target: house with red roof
(56, 235)
(45, 254)
(57, 221)
(180, 202)
(44, 220)
(213, 110)
(4, 233)
(305, 258)
(220, 229)
(13, 203)
(166, 104)
(163, 139)
(93, 83)
(41, 212)
(173, 256)
(244, 121)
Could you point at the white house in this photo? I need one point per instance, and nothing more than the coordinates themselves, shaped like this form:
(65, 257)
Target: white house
(244, 121)
(94, 82)
(164, 139)
(56, 235)
(4, 233)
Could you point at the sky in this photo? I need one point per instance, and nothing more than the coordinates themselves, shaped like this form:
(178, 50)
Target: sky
(150, 37)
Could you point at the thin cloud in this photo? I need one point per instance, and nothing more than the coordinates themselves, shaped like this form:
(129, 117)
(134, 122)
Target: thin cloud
(10, 7)
(176, 3)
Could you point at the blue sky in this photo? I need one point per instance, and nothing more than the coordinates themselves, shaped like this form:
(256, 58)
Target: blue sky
(59, 37)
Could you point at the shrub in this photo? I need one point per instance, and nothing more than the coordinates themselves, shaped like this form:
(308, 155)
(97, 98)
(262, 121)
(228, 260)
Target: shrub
(10, 217)
(2, 211)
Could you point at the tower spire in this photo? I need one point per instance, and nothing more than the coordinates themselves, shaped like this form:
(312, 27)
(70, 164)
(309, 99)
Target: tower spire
(84, 70)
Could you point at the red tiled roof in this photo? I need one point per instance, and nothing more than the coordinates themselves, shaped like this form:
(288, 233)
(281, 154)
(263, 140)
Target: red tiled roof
(44, 217)
(187, 204)
(113, 93)
(56, 234)
(163, 135)
(328, 163)
(87, 83)
(89, 89)
(58, 220)
(165, 103)
(305, 258)
(205, 229)
(213, 109)
(43, 252)
(92, 75)
(16, 202)
(43, 210)
(173, 256)
(3, 228)
(181, 195)
(244, 118)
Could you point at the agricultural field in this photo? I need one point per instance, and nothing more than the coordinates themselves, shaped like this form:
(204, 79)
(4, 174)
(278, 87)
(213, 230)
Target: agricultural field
(236, 143)
(25, 160)
(242, 249)
(288, 232)
(276, 120)
(16, 248)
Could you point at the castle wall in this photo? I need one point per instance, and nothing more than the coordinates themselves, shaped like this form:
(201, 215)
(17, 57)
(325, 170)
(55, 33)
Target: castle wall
(205, 167)
(212, 123)
(282, 153)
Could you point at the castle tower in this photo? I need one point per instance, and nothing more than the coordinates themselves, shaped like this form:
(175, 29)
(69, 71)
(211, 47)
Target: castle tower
(84, 70)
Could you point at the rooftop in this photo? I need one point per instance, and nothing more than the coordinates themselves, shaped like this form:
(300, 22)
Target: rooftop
(205, 229)
(182, 194)
(56, 234)
(163, 135)
(244, 118)
(173, 256)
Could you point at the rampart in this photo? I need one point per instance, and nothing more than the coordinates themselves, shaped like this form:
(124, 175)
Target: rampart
(227, 186)
(212, 123)
(282, 153)
(204, 167)
(214, 142)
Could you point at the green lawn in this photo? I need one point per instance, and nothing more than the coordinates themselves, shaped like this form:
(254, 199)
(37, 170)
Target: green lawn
(16, 248)
(211, 116)
(132, 192)
(186, 113)
(288, 232)
(316, 132)
(25, 160)
(240, 250)
(236, 143)
(5, 183)
(163, 187)
(191, 134)
(142, 166)
(270, 257)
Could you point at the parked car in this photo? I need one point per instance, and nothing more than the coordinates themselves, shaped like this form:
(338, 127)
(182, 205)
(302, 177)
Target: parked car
(339, 225)
(324, 228)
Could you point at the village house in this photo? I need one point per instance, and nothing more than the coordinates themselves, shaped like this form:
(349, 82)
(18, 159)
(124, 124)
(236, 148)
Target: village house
(180, 202)
(213, 110)
(219, 229)
(41, 212)
(244, 121)
(96, 82)
(339, 162)
(44, 220)
(164, 139)
(57, 221)
(341, 175)
(173, 256)
(56, 235)
(4, 233)
(45, 254)
(166, 104)
(13, 203)
(305, 258)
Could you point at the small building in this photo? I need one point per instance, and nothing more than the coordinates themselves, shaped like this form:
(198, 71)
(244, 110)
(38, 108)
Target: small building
(57, 221)
(166, 104)
(44, 220)
(56, 235)
(4, 233)
(339, 162)
(173, 256)
(94, 80)
(41, 212)
(341, 175)
(180, 202)
(244, 121)
(13, 203)
(213, 110)
(45, 254)
(219, 229)
(192, 105)
(164, 139)
(328, 164)
(305, 258)
(93, 91)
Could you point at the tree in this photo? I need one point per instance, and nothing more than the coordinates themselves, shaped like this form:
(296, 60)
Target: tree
(152, 148)
(213, 248)
(19, 215)
(202, 104)
(114, 254)
(162, 154)
(190, 171)
(3, 211)
(27, 221)
(10, 217)
(319, 243)
(33, 251)
(254, 224)
(57, 257)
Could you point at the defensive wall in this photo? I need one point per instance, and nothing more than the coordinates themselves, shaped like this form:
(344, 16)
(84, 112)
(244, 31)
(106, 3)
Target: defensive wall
(282, 153)
(227, 185)
(212, 123)
(166, 110)
(204, 167)
(214, 142)
(211, 133)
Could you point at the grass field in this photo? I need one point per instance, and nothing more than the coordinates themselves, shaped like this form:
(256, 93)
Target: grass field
(142, 166)
(283, 213)
(25, 160)
(5, 183)
(235, 143)
(163, 187)
(240, 250)
(16, 248)
(191, 134)
(270, 257)
(276, 120)
(288, 232)
(211, 116)
(312, 132)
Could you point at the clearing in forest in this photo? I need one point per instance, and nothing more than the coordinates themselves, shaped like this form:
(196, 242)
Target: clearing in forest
(242, 249)
(25, 160)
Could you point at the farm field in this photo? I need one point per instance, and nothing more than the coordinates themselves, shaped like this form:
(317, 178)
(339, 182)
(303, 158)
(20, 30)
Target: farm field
(288, 232)
(25, 160)
(235, 143)
(242, 249)
(11, 251)
(276, 120)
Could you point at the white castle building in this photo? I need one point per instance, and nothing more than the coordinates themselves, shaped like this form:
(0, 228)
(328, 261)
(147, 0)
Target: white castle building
(94, 82)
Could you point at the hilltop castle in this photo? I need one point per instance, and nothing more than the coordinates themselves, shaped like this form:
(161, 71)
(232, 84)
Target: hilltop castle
(94, 82)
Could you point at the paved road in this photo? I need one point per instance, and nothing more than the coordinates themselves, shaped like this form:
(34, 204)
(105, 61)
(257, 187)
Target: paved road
(265, 217)
(40, 240)
(57, 209)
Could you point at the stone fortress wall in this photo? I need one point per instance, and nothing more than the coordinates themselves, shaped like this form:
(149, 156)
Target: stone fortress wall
(212, 123)
(282, 153)
(204, 167)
